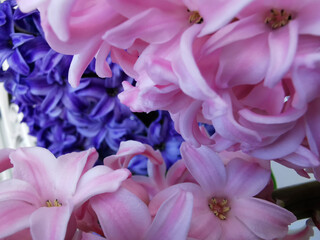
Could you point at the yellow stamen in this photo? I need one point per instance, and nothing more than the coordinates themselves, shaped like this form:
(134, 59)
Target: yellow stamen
(56, 203)
(195, 17)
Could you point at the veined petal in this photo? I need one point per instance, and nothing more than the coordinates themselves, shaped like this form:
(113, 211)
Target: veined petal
(36, 166)
(15, 189)
(122, 215)
(14, 217)
(71, 167)
(282, 44)
(205, 166)
(97, 180)
(245, 178)
(266, 220)
(173, 218)
(50, 222)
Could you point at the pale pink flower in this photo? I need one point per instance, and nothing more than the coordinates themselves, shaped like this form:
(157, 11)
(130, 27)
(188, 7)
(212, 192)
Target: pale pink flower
(123, 216)
(44, 191)
(224, 206)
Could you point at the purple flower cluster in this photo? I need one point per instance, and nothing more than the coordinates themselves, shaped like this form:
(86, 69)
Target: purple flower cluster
(66, 119)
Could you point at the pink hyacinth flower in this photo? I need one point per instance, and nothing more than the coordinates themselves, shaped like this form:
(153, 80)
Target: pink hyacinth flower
(44, 191)
(224, 206)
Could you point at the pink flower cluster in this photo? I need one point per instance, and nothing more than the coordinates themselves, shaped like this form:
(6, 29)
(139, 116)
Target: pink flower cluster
(200, 197)
(248, 67)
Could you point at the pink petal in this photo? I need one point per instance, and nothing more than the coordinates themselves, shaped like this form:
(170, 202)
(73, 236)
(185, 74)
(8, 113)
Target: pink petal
(15, 189)
(148, 26)
(205, 166)
(218, 14)
(99, 179)
(125, 60)
(312, 119)
(176, 173)
(282, 45)
(50, 222)
(72, 166)
(127, 150)
(309, 21)
(200, 199)
(205, 225)
(157, 174)
(264, 219)
(302, 157)
(60, 25)
(239, 229)
(246, 66)
(244, 29)
(4, 159)
(14, 217)
(122, 215)
(81, 60)
(79, 235)
(173, 218)
(36, 166)
(245, 178)
(283, 145)
(102, 67)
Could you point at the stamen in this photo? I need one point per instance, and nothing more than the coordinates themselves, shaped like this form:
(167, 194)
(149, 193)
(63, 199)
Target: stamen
(277, 19)
(219, 207)
(56, 203)
(195, 17)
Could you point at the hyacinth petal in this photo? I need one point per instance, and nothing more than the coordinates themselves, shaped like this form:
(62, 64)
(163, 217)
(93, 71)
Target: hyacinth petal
(245, 67)
(15, 189)
(309, 19)
(302, 157)
(187, 70)
(14, 217)
(97, 180)
(283, 145)
(176, 171)
(60, 25)
(187, 125)
(4, 159)
(205, 166)
(50, 222)
(242, 232)
(72, 166)
(129, 149)
(122, 215)
(245, 178)
(219, 14)
(125, 60)
(148, 26)
(312, 119)
(242, 29)
(80, 61)
(282, 45)
(102, 67)
(173, 218)
(28, 6)
(266, 220)
(157, 173)
(36, 166)
(199, 197)
(18, 63)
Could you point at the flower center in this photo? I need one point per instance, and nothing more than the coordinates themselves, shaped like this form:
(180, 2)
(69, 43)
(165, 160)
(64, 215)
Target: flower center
(219, 207)
(277, 19)
(56, 203)
(195, 17)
